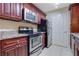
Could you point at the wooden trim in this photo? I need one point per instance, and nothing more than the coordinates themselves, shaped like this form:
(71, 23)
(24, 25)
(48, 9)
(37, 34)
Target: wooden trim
(72, 5)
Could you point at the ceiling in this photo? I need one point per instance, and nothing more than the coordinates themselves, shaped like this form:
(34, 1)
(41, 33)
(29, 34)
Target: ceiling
(47, 7)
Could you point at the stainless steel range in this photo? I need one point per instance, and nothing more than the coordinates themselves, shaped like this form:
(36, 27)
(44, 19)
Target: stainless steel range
(35, 44)
(35, 40)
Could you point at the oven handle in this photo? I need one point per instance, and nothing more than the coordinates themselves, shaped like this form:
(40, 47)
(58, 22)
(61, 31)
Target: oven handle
(37, 49)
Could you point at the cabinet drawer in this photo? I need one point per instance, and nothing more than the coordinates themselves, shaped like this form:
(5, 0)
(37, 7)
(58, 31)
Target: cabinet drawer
(13, 41)
(8, 42)
(22, 40)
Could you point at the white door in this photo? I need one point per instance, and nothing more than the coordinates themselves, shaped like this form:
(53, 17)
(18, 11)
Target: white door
(49, 32)
(60, 28)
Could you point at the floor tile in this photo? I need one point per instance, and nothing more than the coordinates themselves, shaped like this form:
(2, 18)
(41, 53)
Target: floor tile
(53, 51)
(66, 52)
(56, 50)
(44, 52)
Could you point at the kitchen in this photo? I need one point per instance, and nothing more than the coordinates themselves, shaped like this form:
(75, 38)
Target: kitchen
(30, 29)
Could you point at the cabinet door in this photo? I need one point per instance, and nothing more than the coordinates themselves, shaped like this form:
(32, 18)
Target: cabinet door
(9, 52)
(0, 47)
(75, 24)
(75, 19)
(18, 11)
(0, 52)
(7, 10)
(75, 11)
(12, 10)
(22, 51)
(23, 48)
(76, 47)
(0, 9)
(39, 19)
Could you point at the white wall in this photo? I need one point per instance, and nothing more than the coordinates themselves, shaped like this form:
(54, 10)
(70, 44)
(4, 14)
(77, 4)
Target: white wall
(60, 23)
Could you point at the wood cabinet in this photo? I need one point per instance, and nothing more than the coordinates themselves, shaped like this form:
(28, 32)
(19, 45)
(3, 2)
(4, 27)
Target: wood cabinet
(15, 47)
(72, 43)
(74, 10)
(39, 19)
(23, 47)
(44, 40)
(16, 11)
(11, 11)
(22, 51)
(76, 50)
(10, 51)
(9, 47)
(6, 10)
(0, 52)
(0, 48)
(0, 9)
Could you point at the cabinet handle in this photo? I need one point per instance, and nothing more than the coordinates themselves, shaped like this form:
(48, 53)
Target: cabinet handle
(19, 45)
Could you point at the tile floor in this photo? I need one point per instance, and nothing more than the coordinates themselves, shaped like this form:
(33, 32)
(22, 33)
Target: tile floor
(56, 50)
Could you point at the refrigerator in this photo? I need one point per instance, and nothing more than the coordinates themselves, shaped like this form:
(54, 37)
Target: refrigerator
(46, 26)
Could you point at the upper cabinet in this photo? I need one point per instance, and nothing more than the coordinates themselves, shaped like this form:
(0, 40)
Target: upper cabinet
(74, 10)
(16, 11)
(6, 10)
(1, 9)
(13, 11)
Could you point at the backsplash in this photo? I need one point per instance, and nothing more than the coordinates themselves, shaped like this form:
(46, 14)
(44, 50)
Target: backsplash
(6, 24)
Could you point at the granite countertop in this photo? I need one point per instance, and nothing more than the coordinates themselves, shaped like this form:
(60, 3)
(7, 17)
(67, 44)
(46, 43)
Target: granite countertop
(6, 34)
(41, 32)
(13, 36)
(10, 33)
(75, 34)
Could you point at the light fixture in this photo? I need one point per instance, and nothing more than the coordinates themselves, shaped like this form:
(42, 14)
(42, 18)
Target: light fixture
(57, 4)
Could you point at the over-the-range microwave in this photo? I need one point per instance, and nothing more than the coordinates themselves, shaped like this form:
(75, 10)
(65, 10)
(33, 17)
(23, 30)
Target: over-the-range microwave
(29, 15)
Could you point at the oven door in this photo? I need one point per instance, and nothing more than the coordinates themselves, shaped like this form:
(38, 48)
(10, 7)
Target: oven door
(35, 42)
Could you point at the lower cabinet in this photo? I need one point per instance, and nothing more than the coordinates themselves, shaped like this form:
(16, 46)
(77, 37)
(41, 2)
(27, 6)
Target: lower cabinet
(76, 50)
(18, 51)
(72, 41)
(0, 48)
(0, 52)
(74, 45)
(22, 51)
(10, 52)
(15, 47)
